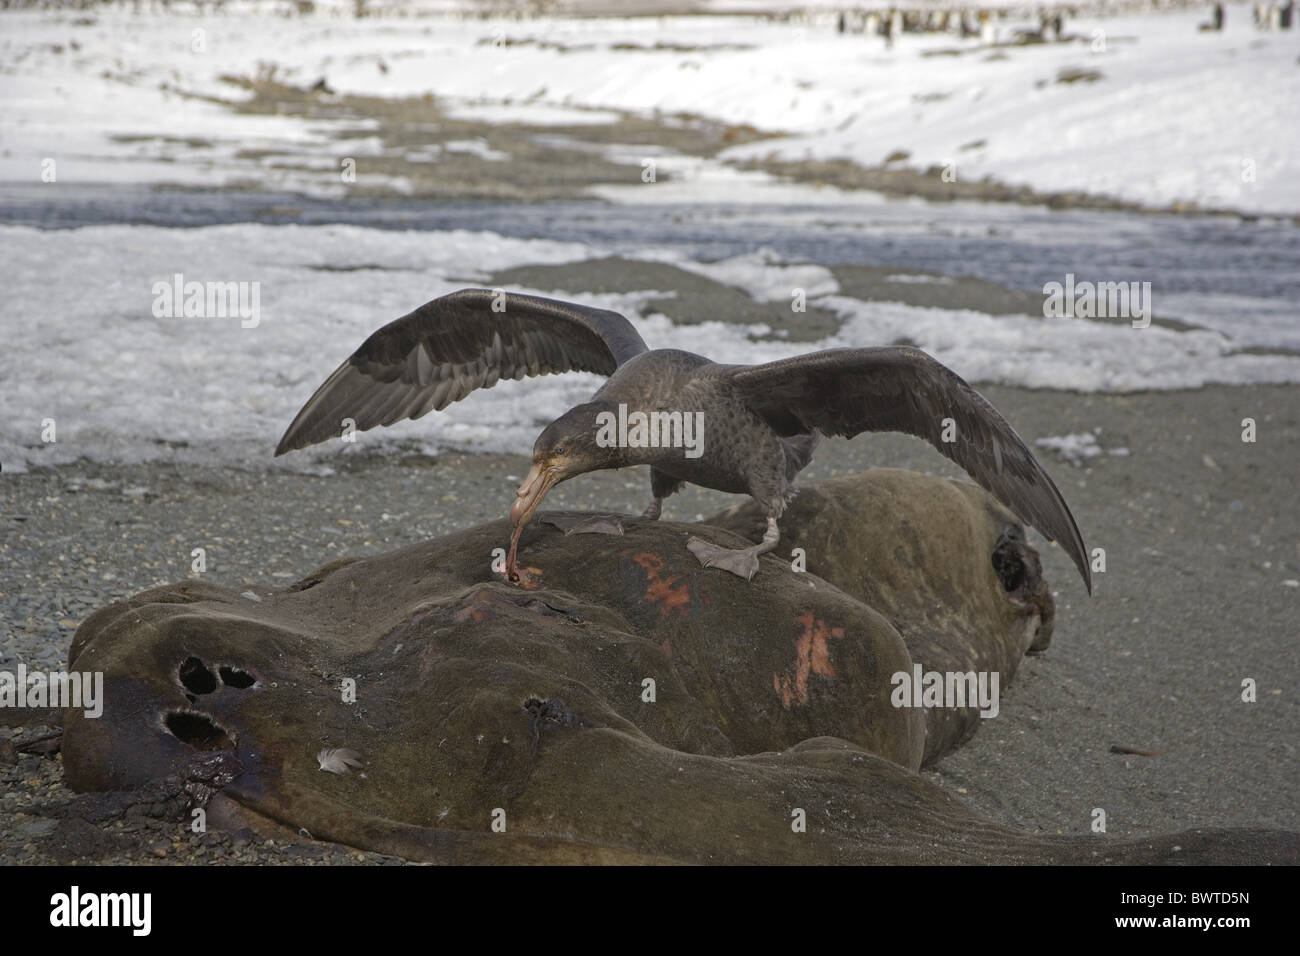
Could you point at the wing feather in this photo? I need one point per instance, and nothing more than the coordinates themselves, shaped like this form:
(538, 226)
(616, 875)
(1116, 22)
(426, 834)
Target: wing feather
(450, 347)
(850, 391)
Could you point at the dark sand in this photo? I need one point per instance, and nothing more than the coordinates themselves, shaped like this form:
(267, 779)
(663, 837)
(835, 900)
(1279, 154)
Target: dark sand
(1201, 533)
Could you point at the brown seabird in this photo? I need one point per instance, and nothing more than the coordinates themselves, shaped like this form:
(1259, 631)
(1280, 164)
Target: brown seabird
(757, 424)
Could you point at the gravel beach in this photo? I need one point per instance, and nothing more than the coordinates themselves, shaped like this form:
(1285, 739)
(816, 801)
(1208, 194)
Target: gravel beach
(1202, 543)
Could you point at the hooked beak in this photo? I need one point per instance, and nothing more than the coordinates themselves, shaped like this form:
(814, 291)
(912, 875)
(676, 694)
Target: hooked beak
(540, 480)
(537, 483)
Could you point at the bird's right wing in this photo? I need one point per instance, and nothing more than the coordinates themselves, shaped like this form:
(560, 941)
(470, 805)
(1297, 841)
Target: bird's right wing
(850, 391)
(455, 344)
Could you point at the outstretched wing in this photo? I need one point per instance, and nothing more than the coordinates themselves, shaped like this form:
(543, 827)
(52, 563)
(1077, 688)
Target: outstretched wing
(849, 391)
(453, 345)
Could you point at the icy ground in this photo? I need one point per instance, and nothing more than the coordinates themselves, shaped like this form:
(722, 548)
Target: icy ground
(1142, 107)
(84, 348)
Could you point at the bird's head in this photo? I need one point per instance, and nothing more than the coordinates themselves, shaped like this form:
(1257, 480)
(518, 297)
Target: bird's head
(567, 447)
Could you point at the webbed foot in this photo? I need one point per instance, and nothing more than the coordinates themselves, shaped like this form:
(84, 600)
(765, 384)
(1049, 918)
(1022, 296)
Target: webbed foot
(739, 561)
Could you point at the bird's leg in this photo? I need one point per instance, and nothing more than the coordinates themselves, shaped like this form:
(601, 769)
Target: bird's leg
(739, 561)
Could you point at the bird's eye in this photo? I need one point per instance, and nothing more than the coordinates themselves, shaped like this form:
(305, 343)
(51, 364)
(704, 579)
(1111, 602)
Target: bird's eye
(560, 450)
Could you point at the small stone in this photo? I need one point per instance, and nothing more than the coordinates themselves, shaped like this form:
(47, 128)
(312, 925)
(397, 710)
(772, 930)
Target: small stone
(36, 828)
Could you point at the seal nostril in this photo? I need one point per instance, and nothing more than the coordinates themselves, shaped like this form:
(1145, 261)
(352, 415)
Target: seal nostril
(234, 677)
(1009, 569)
(196, 677)
(1011, 562)
(198, 730)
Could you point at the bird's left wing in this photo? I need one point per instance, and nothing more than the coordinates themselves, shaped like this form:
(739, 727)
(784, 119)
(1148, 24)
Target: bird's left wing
(850, 391)
(455, 344)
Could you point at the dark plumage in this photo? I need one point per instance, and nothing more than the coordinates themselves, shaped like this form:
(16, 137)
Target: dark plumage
(761, 423)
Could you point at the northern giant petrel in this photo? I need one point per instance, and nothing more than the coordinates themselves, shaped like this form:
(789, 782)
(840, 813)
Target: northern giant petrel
(760, 423)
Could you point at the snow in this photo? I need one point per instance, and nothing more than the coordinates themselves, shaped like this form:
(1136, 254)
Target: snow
(119, 381)
(84, 347)
(1058, 353)
(1176, 116)
(1248, 320)
(1072, 448)
(1075, 448)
